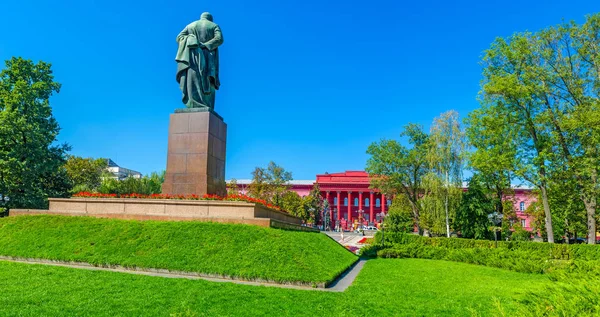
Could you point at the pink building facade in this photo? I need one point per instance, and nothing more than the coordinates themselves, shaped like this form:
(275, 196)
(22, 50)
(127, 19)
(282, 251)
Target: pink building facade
(352, 202)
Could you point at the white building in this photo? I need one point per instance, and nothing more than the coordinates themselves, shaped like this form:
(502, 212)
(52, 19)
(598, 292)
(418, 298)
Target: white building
(121, 173)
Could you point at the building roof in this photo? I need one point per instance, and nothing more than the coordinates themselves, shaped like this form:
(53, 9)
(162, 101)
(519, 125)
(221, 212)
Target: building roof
(111, 163)
(292, 182)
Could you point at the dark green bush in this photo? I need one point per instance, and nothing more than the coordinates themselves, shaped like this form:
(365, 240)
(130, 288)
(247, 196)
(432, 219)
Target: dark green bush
(520, 256)
(369, 251)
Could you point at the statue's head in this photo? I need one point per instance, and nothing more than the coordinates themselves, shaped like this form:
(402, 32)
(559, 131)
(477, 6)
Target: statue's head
(206, 16)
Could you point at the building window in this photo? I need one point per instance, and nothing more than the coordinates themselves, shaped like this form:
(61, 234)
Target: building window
(377, 202)
(335, 201)
(522, 206)
(367, 202)
(355, 201)
(389, 202)
(523, 223)
(345, 201)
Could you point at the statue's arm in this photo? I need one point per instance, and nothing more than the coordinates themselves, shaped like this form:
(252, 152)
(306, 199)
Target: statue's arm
(182, 34)
(216, 41)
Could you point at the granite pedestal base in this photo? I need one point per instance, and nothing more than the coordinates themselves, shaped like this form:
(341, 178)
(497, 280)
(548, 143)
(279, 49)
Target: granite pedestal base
(196, 154)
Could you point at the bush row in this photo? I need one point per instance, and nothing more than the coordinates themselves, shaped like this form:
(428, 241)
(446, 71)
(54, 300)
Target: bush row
(548, 251)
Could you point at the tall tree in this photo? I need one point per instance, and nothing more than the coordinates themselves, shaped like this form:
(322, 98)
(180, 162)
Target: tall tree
(270, 183)
(397, 169)
(508, 93)
(85, 173)
(550, 83)
(447, 160)
(400, 216)
(314, 203)
(294, 204)
(494, 154)
(31, 163)
(472, 215)
(567, 66)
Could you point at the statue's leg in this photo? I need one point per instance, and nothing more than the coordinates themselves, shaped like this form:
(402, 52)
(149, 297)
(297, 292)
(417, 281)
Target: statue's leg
(184, 88)
(209, 99)
(194, 83)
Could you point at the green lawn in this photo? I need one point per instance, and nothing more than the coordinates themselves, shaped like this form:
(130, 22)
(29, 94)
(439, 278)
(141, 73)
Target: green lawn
(385, 287)
(242, 251)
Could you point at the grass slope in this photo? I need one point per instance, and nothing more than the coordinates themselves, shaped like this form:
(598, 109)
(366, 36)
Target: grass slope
(385, 287)
(243, 251)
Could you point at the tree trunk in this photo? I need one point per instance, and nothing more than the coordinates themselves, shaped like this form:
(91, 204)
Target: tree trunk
(590, 208)
(549, 230)
(447, 218)
(567, 232)
(417, 220)
(446, 206)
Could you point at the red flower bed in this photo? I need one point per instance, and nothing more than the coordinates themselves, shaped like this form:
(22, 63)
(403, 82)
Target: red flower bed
(181, 197)
(94, 195)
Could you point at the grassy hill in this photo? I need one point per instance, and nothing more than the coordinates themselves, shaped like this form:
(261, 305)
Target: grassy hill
(385, 287)
(242, 251)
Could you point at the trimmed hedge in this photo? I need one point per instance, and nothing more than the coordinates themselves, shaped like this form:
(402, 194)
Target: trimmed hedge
(527, 257)
(548, 250)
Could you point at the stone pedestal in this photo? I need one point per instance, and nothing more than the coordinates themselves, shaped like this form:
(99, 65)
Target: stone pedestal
(196, 154)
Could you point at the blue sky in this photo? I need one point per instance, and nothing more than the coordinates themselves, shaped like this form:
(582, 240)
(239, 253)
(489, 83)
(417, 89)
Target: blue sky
(307, 84)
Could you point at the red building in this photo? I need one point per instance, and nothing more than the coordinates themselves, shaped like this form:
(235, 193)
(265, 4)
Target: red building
(351, 201)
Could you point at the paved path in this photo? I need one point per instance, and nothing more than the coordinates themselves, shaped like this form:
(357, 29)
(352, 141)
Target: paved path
(347, 278)
(339, 285)
(350, 238)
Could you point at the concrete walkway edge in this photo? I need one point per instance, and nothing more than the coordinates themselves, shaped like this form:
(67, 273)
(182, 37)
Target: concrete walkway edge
(347, 278)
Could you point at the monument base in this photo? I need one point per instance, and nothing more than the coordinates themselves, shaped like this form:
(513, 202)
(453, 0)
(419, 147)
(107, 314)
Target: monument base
(196, 154)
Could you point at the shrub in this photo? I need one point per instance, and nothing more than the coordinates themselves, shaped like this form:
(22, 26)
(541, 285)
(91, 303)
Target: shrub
(520, 256)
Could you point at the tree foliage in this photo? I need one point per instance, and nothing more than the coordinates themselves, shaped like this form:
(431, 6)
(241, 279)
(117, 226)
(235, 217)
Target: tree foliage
(85, 173)
(541, 93)
(146, 185)
(446, 159)
(270, 183)
(472, 215)
(295, 205)
(314, 203)
(397, 169)
(400, 217)
(31, 162)
(232, 187)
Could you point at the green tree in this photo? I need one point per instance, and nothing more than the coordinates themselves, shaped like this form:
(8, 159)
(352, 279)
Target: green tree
(294, 204)
(232, 187)
(509, 94)
(397, 169)
(494, 154)
(431, 205)
(314, 203)
(270, 183)
(400, 217)
(31, 163)
(85, 173)
(146, 185)
(472, 214)
(567, 65)
(446, 157)
(547, 84)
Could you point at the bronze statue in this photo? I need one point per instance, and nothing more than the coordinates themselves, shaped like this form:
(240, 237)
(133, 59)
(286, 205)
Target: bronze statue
(198, 62)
